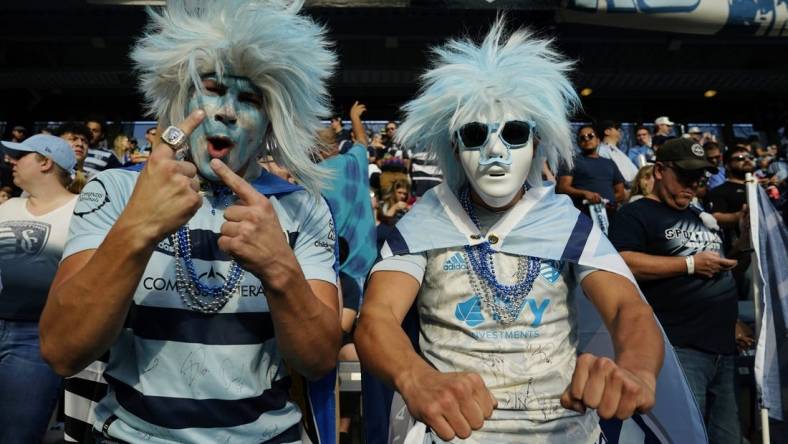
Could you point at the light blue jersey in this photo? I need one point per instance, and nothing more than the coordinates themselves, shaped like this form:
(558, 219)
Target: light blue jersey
(177, 375)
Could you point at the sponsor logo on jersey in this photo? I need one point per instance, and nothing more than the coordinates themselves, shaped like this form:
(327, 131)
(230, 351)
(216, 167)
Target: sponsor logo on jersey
(91, 199)
(455, 263)
(551, 270)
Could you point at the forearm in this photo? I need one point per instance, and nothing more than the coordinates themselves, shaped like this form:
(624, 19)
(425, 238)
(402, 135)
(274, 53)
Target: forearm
(571, 191)
(358, 130)
(86, 311)
(396, 363)
(308, 332)
(727, 219)
(638, 341)
(648, 267)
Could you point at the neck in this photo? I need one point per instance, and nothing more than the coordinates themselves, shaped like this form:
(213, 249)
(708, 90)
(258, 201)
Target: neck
(46, 196)
(476, 199)
(589, 153)
(735, 178)
(610, 142)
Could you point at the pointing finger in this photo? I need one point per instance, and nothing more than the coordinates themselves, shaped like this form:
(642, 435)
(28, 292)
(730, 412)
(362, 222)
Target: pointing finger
(191, 122)
(236, 183)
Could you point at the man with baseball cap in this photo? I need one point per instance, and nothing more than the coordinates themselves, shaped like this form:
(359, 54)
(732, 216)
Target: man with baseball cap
(678, 262)
(33, 233)
(664, 127)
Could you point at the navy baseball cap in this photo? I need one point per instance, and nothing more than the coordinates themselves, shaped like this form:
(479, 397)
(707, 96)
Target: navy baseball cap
(52, 147)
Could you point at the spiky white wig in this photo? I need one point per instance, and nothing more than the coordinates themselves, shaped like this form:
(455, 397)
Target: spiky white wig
(285, 54)
(520, 74)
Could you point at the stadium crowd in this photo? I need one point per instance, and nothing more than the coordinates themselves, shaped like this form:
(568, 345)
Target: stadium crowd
(675, 206)
(380, 180)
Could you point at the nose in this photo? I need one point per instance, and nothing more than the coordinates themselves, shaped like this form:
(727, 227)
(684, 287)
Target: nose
(496, 148)
(226, 114)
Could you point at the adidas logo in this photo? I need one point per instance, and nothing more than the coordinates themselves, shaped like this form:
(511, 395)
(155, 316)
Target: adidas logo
(455, 263)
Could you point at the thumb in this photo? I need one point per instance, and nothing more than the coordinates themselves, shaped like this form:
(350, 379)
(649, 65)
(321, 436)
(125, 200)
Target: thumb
(192, 121)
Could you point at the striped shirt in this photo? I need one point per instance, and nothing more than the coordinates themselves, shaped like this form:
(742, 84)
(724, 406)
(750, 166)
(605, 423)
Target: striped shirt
(177, 375)
(98, 160)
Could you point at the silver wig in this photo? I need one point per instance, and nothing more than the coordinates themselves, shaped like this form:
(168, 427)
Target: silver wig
(518, 73)
(285, 54)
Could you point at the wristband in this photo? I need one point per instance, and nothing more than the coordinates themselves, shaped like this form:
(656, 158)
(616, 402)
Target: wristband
(690, 264)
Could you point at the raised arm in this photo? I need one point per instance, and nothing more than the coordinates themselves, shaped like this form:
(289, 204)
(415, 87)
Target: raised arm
(305, 313)
(93, 289)
(358, 127)
(452, 404)
(626, 385)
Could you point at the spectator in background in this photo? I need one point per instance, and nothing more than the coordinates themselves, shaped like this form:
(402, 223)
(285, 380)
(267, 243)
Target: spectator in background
(643, 147)
(610, 132)
(5, 194)
(727, 202)
(77, 135)
(97, 136)
(695, 134)
(680, 266)
(643, 183)
(593, 178)
(376, 149)
(142, 153)
(18, 133)
(714, 156)
(33, 233)
(347, 195)
(664, 127)
(99, 157)
(657, 141)
(424, 172)
(390, 130)
(341, 133)
(121, 148)
(396, 201)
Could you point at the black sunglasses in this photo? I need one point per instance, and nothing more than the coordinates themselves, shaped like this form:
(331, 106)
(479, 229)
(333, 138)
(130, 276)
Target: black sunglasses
(589, 136)
(514, 133)
(689, 177)
(742, 157)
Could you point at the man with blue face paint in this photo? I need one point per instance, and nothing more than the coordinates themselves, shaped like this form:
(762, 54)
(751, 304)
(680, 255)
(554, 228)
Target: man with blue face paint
(490, 259)
(200, 274)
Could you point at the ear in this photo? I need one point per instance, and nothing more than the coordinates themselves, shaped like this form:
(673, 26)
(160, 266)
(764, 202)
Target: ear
(657, 173)
(47, 164)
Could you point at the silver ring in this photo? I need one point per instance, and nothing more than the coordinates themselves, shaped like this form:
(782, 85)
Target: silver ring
(174, 137)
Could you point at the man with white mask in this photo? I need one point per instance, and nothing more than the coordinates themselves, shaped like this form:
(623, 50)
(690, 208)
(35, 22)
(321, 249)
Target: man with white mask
(490, 258)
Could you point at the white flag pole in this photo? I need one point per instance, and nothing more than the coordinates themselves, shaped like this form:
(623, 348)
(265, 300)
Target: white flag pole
(752, 206)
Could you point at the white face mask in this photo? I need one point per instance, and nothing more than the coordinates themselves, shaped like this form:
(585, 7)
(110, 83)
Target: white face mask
(497, 169)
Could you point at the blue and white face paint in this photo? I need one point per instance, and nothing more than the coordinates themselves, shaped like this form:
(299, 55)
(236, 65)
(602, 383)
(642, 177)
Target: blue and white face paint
(496, 155)
(234, 127)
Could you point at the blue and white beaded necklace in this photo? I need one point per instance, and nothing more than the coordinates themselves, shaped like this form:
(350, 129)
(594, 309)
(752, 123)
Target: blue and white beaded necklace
(504, 301)
(194, 294)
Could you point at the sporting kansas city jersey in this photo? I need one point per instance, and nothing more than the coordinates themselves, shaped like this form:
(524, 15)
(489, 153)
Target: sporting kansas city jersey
(526, 364)
(177, 375)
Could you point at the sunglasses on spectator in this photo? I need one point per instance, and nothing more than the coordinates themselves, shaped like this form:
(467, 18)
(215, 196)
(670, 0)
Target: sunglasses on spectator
(744, 157)
(513, 134)
(589, 136)
(689, 177)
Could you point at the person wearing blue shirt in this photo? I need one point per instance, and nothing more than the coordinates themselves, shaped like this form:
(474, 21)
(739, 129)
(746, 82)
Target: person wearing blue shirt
(643, 147)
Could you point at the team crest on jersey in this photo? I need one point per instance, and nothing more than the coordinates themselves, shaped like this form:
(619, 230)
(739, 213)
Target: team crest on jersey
(91, 199)
(470, 311)
(455, 263)
(22, 238)
(551, 270)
